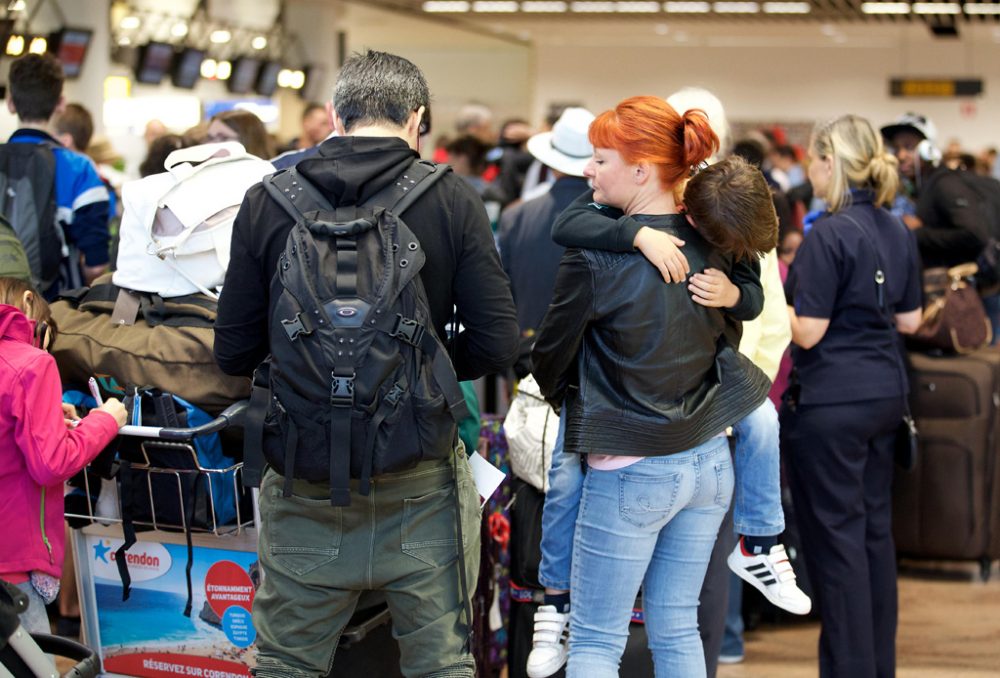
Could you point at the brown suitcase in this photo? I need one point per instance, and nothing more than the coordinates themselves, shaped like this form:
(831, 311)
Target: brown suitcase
(949, 506)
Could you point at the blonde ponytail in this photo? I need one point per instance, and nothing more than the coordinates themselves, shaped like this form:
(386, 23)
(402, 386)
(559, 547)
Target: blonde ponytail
(858, 159)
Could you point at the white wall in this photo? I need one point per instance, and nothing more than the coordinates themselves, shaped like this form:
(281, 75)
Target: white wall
(800, 76)
(790, 71)
(460, 66)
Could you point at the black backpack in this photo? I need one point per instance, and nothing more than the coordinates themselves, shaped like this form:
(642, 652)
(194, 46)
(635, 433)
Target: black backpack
(28, 201)
(358, 382)
(987, 190)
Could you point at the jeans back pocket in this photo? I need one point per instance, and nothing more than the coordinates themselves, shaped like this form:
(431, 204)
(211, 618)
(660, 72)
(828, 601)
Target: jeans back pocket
(645, 500)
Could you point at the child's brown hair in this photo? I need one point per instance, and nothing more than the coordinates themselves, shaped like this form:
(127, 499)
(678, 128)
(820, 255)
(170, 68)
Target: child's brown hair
(731, 205)
(12, 291)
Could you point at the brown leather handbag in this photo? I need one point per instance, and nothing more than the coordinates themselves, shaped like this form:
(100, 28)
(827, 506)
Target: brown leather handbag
(954, 318)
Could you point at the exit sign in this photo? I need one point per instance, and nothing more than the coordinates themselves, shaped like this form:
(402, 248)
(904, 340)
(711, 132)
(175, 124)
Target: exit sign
(935, 87)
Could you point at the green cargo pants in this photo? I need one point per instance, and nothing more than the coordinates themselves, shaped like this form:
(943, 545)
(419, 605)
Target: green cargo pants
(400, 539)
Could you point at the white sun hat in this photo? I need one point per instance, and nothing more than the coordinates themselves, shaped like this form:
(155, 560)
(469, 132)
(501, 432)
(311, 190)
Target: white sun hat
(566, 148)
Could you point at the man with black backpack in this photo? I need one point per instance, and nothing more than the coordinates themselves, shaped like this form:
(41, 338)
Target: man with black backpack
(52, 196)
(348, 291)
(949, 225)
(957, 217)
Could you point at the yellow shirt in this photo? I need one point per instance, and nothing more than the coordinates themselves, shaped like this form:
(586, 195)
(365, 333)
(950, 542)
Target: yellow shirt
(766, 338)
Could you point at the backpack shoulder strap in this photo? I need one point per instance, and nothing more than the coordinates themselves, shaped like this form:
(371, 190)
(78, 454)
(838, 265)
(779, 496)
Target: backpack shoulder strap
(295, 193)
(416, 180)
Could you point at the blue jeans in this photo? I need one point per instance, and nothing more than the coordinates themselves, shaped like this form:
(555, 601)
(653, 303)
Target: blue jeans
(652, 524)
(757, 511)
(732, 638)
(562, 503)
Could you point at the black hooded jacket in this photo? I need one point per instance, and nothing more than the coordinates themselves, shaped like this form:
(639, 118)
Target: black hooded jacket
(462, 267)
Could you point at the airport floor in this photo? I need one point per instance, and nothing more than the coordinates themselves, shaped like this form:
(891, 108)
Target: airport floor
(949, 625)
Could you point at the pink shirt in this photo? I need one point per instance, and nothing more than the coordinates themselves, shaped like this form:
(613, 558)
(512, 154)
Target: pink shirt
(613, 462)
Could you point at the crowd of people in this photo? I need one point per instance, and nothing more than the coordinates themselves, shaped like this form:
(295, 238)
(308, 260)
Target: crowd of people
(662, 282)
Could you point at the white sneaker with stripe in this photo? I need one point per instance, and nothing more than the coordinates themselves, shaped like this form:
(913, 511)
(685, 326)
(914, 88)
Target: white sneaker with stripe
(772, 575)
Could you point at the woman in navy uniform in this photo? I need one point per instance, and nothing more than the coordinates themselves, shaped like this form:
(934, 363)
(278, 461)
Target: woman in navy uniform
(854, 285)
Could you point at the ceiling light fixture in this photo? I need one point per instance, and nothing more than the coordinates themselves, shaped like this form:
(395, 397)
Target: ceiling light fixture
(221, 36)
(39, 45)
(15, 45)
(976, 8)
(224, 70)
(937, 8)
(885, 7)
(209, 67)
(259, 42)
(179, 29)
(736, 7)
(592, 7)
(686, 7)
(446, 6)
(543, 6)
(787, 8)
(130, 23)
(495, 6)
(637, 7)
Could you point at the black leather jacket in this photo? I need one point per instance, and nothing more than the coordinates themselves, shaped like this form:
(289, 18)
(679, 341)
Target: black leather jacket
(654, 374)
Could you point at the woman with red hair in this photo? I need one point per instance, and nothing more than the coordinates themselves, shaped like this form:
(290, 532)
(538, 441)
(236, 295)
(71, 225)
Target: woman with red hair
(637, 368)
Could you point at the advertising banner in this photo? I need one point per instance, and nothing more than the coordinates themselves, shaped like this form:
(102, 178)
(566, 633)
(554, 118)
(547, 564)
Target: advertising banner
(148, 635)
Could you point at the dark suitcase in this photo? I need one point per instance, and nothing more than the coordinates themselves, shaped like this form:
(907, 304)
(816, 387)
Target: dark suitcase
(367, 648)
(948, 507)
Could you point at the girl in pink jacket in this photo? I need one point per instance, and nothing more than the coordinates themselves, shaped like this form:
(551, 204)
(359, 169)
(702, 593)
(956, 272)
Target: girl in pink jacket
(42, 444)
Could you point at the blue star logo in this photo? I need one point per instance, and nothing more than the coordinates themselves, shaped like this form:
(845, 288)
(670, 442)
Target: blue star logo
(101, 551)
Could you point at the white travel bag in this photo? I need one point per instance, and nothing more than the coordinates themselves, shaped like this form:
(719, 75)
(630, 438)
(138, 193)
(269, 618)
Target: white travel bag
(176, 226)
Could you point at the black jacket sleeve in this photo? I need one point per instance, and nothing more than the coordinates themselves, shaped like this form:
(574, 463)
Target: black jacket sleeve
(559, 338)
(490, 340)
(585, 225)
(241, 340)
(746, 276)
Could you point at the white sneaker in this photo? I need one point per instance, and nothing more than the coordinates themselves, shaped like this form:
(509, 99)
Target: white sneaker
(548, 643)
(772, 575)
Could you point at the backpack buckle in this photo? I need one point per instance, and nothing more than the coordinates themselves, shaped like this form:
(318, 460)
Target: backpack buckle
(408, 330)
(342, 389)
(294, 327)
(394, 394)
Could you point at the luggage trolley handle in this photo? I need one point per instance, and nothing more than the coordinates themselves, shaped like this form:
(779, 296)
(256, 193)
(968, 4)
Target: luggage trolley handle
(231, 416)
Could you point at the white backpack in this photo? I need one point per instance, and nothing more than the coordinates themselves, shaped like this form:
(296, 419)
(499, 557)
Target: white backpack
(531, 428)
(176, 226)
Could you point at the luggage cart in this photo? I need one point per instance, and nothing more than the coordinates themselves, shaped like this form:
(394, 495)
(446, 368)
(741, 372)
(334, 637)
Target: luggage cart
(149, 635)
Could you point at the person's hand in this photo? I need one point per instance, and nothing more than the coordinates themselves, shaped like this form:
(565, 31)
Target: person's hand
(912, 221)
(114, 407)
(713, 289)
(661, 249)
(70, 417)
(91, 273)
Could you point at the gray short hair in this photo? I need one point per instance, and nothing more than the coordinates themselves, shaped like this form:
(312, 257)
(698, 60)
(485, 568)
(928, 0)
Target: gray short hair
(471, 116)
(378, 87)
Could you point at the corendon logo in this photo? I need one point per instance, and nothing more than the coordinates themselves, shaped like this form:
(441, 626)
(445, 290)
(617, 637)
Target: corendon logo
(145, 560)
